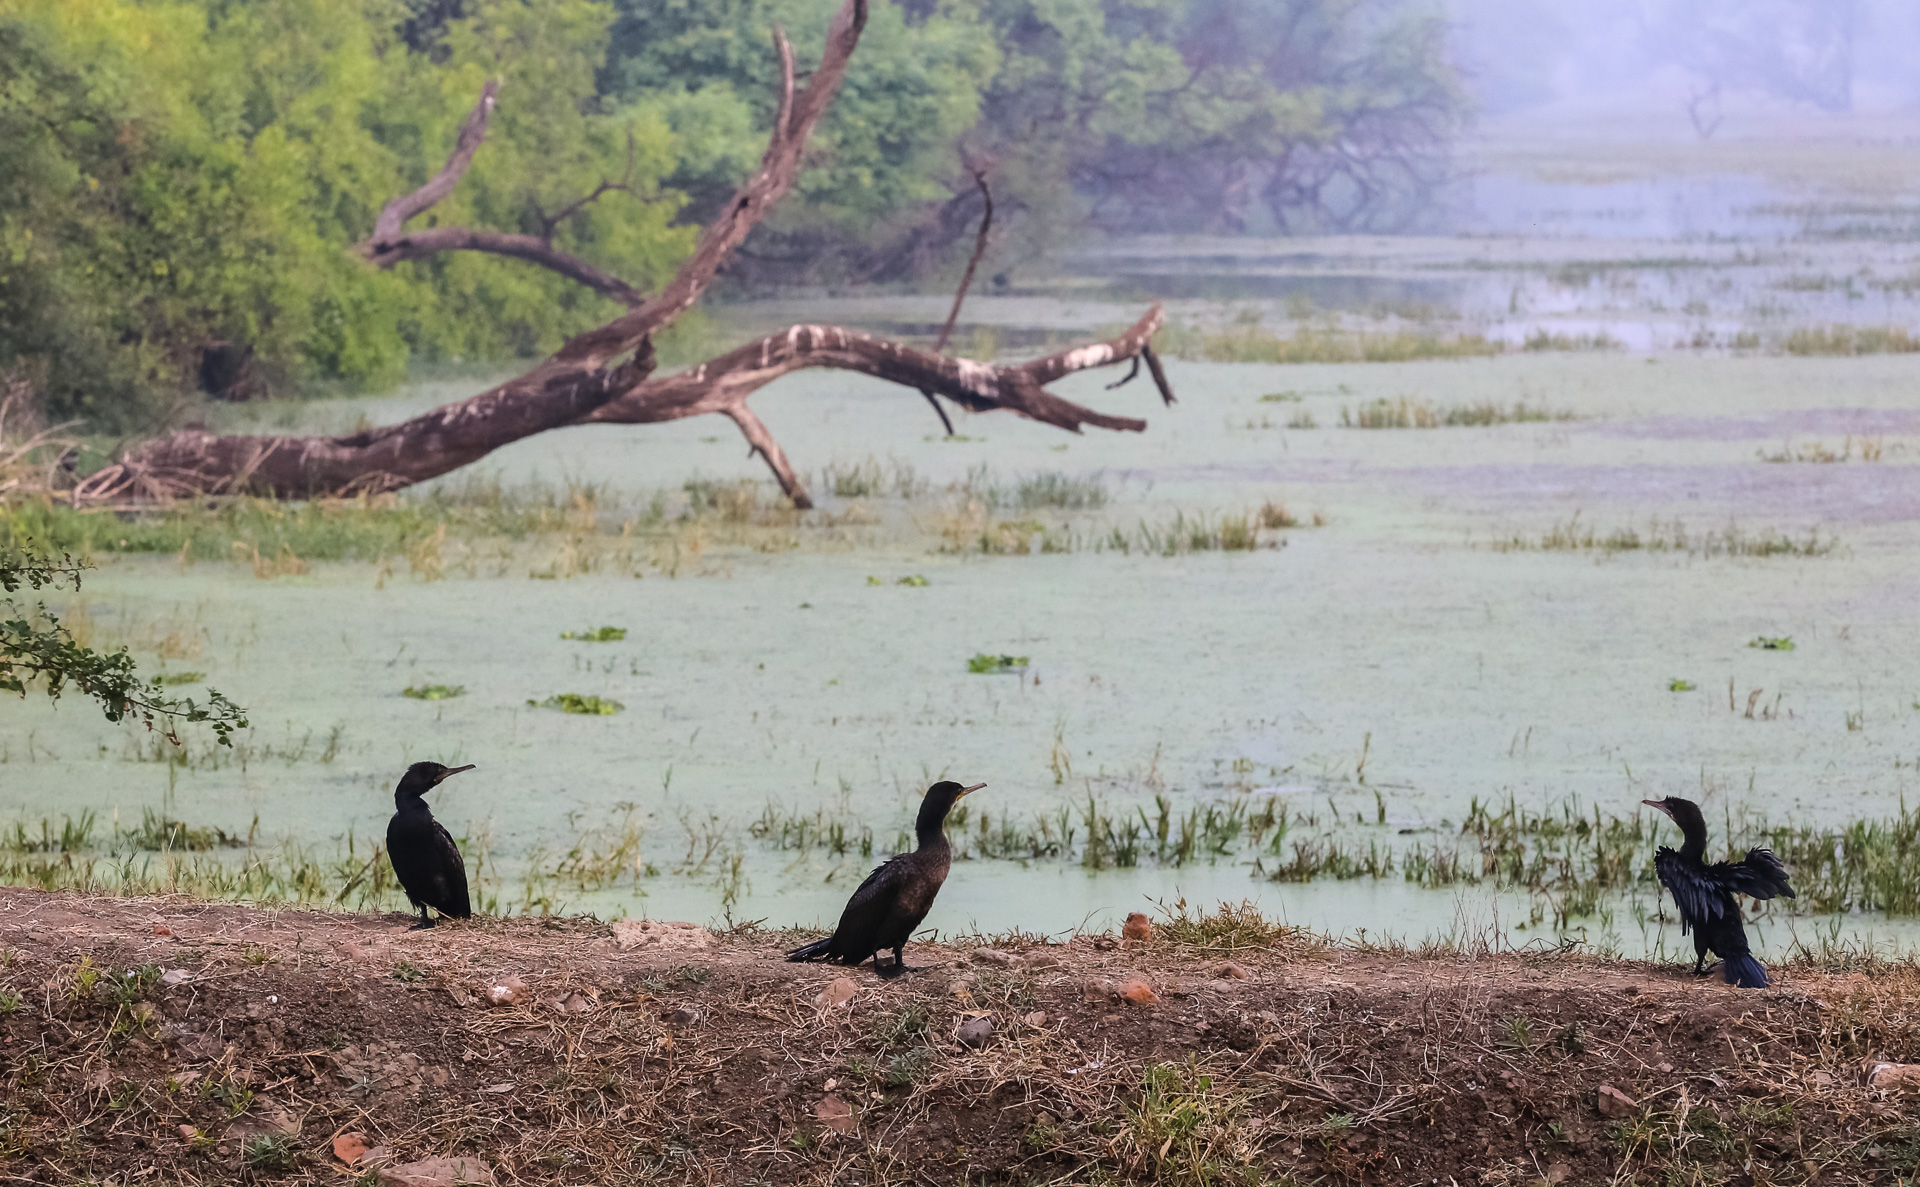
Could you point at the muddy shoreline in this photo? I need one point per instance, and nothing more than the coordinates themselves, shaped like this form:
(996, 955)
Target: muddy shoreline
(176, 1040)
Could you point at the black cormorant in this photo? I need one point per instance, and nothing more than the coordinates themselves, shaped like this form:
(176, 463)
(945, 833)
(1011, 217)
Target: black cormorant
(894, 899)
(424, 857)
(1704, 893)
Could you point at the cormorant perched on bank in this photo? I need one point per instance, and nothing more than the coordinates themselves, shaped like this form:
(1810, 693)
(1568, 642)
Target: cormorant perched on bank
(1704, 893)
(894, 899)
(424, 857)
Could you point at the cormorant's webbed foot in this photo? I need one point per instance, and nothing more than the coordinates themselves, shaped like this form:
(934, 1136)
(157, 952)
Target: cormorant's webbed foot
(887, 972)
(424, 921)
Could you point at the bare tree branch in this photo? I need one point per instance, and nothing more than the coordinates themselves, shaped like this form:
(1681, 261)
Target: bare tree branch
(530, 248)
(472, 131)
(966, 282)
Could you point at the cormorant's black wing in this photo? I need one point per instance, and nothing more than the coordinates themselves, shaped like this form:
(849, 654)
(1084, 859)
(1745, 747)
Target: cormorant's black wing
(1699, 898)
(869, 907)
(453, 877)
(1759, 876)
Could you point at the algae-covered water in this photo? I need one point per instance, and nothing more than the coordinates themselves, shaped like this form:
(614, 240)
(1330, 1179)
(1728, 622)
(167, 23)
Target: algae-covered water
(1454, 630)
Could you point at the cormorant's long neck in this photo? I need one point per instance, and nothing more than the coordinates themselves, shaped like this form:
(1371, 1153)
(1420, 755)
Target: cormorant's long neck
(409, 803)
(1695, 845)
(931, 829)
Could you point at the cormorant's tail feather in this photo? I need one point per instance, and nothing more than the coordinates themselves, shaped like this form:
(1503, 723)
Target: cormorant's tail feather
(819, 948)
(1745, 972)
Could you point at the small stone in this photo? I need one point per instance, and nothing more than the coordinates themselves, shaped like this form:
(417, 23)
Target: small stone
(500, 1089)
(1042, 960)
(161, 929)
(838, 992)
(438, 1172)
(1894, 1075)
(975, 1032)
(574, 1003)
(1820, 1079)
(992, 956)
(1099, 989)
(1037, 1019)
(1615, 1104)
(461, 995)
(173, 977)
(188, 1132)
(1136, 990)
(1137, 927)
(834, 1113)
(682, 1016)
(350, 1148)
(1229, 971)
(509, 991)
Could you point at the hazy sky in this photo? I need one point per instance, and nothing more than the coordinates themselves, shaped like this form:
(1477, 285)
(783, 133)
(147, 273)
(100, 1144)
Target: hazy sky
(1542, 54)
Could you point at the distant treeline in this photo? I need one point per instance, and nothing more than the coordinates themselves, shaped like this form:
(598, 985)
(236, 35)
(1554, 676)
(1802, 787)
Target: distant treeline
(180, 179)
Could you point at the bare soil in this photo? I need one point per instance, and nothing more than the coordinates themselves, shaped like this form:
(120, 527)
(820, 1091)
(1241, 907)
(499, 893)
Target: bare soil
(173, 1040)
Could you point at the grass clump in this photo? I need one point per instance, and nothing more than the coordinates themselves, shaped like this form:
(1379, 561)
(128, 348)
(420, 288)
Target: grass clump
(434, 692)
(271, 1154)
(1406, 413)
(580, 704)
(1671, 537)
(987, 664)
(600, 634)
(1850, 340)
(1251, 342)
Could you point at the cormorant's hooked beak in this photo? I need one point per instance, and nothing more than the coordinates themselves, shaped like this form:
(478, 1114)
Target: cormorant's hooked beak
(1659, 806)
(965, 791)
(452, 771)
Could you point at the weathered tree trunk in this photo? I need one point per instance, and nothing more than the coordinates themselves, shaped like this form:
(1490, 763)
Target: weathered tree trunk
(605, 374)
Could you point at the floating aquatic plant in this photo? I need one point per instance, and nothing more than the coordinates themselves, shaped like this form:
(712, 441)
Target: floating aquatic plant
(178, 678)
(434, 692)
(1770, 643)
(1678, 685)
(915, 580)
(598, 634)
(984, 663)
(585, 706)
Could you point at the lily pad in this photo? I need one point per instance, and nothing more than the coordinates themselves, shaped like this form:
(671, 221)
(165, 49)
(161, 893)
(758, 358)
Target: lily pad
(598, 634)
(580, 703)
(434, 692)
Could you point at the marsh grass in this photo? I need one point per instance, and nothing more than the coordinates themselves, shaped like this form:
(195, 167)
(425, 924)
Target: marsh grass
(1670, 536)
(1406, 413)
(1251, 342)
(1871, 449)
(1850, 340)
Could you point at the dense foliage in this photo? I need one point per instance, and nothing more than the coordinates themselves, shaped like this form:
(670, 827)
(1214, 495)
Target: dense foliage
(180, 180)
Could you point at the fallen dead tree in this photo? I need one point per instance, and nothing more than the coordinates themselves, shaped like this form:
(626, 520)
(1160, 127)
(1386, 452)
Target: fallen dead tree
(606, 374)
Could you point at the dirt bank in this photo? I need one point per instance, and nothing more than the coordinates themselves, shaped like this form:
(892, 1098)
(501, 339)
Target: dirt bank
(163, 1040)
